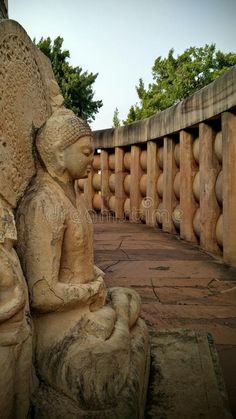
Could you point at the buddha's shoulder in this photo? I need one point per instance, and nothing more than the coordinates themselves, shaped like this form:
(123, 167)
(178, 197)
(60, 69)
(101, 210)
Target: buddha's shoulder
(42, 193)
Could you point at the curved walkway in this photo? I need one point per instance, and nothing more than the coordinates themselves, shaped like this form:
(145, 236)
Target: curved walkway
(180, 285)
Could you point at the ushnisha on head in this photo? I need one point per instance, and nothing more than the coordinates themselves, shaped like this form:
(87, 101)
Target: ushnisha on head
(65, 145)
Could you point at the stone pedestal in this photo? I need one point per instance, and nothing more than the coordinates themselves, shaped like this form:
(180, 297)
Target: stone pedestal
(186, 380)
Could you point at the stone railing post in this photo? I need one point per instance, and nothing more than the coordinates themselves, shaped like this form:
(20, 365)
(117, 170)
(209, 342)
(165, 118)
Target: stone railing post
(229, 186)
(188, 170)
(89, 190)
(135, 193)
(169, 199)
(105, 174)
(209, 207)
(119, 182)
(153, 172)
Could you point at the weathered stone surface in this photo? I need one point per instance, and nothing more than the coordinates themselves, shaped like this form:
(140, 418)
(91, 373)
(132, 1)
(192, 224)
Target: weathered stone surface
(190, 296)
(169, 172)
(24, 107)
(229, 182)
(186, 380)
(214, 313)
(167, 269)
(135, 176)
(172, 311)
(91, 349)
(119, 182)
(15, 330)
(91, 358)
(153, 172)
(105, 190)
(228, 363)
(209, 170)
(188, 170)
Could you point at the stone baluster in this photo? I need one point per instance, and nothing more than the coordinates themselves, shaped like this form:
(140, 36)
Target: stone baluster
(135, 193)
(153, 171)
(229, 186)
(89, 190)
(188, 170)
(169, 199)
(105, 190)
(119, 182)
(209, 207)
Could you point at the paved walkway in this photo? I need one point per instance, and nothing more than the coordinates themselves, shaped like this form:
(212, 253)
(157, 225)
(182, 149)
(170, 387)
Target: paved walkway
(180, 285)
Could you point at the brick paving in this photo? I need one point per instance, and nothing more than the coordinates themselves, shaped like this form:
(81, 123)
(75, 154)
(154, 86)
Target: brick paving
(180, 285)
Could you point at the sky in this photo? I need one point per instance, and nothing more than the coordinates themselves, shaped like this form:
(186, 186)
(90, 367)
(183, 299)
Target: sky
(120, 39)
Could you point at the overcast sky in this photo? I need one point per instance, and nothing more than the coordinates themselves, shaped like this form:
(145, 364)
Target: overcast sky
(121, 39)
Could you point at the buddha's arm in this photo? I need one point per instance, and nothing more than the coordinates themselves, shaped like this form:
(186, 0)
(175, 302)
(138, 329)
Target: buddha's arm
(60, 296)
(12, 297)
(12, 305)
(42, 238)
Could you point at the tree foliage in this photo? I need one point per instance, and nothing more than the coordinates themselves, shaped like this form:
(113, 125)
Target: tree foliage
(176, 78)
(76, 85)
(116, 120)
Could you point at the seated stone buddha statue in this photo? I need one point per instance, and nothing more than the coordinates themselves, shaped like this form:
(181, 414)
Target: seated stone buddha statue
(91, 347)
(15, 329)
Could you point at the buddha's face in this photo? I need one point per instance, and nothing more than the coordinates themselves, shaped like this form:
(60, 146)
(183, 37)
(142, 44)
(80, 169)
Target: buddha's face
(78, 158)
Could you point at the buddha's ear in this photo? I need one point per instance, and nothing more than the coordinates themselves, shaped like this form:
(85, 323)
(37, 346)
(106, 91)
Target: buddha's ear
(60, 159)
(60, 165)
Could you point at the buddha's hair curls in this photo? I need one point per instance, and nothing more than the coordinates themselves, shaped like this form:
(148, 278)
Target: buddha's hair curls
(60, 131)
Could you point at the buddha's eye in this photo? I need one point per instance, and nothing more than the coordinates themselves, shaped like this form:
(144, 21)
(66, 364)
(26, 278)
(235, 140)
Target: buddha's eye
(87, 152)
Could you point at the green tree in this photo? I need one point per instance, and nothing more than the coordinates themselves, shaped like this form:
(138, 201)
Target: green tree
(76, 85)
(116, 120)
(176, 78)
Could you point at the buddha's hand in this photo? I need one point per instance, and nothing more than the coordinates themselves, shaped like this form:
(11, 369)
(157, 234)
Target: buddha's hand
(99, 294)
(47, 297)
(126, 303)
(91, 293)
(98, 272)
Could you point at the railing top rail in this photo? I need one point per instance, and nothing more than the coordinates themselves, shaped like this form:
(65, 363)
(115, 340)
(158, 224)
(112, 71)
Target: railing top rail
(207, 103)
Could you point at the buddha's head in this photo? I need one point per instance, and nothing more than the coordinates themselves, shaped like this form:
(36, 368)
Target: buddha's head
(65, 145)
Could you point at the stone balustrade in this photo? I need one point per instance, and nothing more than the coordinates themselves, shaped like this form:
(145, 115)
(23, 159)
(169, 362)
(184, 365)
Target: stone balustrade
(175, 170)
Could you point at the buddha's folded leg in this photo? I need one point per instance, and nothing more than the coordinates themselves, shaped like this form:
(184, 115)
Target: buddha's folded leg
(91, 365)
(100, 379)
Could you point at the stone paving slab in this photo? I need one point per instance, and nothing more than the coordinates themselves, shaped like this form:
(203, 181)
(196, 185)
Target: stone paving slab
(150, 254)
(182, 282)
(173, 311)
(186, 380)
(180, 285)
(166, 269)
